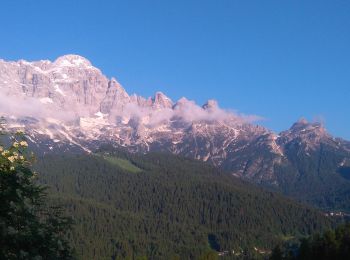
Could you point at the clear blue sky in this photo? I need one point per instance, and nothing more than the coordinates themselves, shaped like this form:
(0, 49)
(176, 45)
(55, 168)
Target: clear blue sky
(278, 59)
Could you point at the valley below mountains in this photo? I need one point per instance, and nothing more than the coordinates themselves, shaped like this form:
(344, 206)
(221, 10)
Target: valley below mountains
(69, 106)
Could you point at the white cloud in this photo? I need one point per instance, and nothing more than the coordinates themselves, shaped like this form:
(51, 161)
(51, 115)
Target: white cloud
(24, 106)
(184, 109)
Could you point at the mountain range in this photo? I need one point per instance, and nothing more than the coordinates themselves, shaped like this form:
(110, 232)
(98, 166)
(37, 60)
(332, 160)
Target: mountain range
(69, 105)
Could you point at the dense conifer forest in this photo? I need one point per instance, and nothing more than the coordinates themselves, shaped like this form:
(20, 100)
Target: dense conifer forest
(332, 244)
(160, 206)
(316, 178)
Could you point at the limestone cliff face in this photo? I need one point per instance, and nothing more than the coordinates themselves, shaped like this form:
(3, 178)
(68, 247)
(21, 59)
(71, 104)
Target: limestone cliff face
(70, 82)
(115, 98)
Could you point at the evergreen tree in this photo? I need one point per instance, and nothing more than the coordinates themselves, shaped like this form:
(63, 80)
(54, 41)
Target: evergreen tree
(276, 254)
(332, 244)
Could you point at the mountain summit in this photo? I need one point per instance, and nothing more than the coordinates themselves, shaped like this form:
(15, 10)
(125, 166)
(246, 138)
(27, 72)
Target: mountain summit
(72, 60)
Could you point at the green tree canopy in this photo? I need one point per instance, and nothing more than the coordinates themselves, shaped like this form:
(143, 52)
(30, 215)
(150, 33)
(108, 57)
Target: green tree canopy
(29, 229)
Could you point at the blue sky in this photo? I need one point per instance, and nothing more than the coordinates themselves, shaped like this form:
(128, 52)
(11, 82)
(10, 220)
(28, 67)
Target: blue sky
(281, 60)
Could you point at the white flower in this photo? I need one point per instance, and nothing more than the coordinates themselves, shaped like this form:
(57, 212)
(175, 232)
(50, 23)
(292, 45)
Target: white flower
(6, 152)
(23, 143)
(11, 158)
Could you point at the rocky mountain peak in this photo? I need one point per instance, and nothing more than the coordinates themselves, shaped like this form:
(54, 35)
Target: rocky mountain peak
(72, 60)
(210, 104)
(303, 126)
(310, 134)
(182, 102)
(161, 101)
(116, 97)
(114, 84)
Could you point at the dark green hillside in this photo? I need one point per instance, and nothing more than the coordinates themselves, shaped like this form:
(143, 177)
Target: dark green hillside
(332, 244)
(316, 177)
(170, 207)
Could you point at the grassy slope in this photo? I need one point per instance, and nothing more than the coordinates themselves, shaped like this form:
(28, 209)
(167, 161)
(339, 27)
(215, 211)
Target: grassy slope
(122, 163)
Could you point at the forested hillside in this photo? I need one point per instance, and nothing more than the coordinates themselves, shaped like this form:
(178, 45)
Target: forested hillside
(161, 206)
(332, 244)
(316, 177)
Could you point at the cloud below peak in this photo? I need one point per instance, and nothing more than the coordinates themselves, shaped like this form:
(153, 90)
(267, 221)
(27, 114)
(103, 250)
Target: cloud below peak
(185, 110)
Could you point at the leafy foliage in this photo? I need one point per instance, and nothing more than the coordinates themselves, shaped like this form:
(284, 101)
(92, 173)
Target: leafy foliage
(28, 229)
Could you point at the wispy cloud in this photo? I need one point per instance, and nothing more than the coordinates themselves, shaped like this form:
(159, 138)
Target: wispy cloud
(186, 110)
(25, 106)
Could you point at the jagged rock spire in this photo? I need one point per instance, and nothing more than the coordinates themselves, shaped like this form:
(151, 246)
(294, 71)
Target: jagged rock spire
(210, 104)
(161, 101)
(116, 97)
